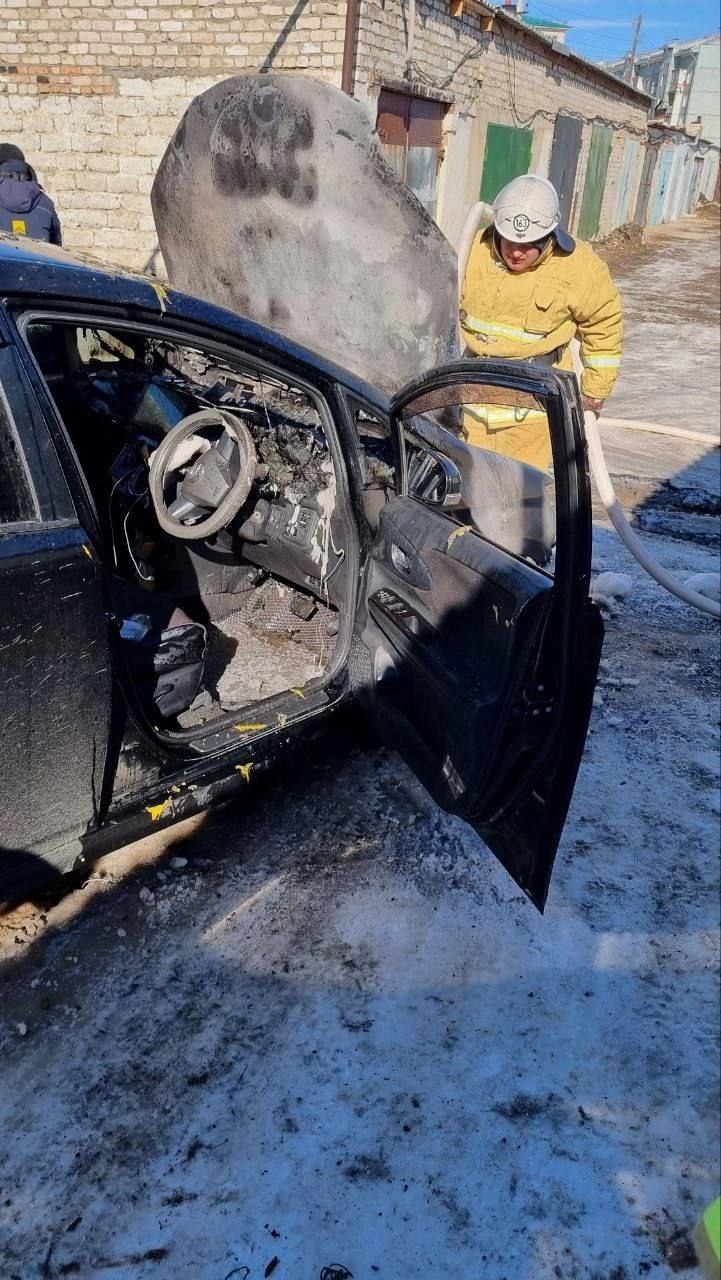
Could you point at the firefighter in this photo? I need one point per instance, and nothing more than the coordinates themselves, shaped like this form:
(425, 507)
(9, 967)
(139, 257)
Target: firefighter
(529, 289)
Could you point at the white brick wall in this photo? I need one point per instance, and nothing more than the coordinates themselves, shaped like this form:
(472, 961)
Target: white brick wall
(94, 99)
(505, 77)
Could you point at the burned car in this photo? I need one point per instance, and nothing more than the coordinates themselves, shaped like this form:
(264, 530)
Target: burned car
(212, 538)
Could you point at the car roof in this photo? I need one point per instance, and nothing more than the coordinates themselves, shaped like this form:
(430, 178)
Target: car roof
(33, 269)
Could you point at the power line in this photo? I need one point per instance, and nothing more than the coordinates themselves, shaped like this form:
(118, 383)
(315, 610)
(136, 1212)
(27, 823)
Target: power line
(591, 32)
(605, 53)
(576, 13)
(579, 35)
(592, 35)
(617, 50)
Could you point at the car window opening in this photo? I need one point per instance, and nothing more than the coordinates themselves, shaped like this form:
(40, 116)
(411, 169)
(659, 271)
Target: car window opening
(220, 623)
(375, 450)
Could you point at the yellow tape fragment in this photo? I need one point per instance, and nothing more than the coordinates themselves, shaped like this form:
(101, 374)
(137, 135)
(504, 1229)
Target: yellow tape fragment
(460, 532)
(161, 293)
(298, 693)
(156, 810)
(244, 771)
(249, 728)
(87, 552)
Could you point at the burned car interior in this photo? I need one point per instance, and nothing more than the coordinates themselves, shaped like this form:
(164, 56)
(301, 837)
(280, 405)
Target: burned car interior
(211, 549)
(216, 500)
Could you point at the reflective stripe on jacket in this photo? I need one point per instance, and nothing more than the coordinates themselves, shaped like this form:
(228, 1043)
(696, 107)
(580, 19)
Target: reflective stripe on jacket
(522, 434)
(562, 295)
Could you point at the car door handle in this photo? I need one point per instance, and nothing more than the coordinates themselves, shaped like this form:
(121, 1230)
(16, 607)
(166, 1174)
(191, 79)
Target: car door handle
(401, 561)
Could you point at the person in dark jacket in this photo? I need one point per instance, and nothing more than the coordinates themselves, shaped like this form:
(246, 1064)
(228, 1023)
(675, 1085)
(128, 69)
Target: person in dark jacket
(25, 209)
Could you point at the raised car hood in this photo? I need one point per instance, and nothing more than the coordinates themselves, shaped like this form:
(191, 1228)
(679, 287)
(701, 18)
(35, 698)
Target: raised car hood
(274, 199)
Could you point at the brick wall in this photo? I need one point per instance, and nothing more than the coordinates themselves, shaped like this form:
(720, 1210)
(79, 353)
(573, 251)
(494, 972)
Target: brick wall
(82, 46)
(92, 90)
(506, 76)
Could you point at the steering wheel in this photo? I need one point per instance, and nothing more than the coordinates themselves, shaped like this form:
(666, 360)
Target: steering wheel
(196, 486)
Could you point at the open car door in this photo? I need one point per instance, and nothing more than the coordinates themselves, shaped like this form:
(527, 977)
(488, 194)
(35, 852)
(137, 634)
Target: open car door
(477, 644)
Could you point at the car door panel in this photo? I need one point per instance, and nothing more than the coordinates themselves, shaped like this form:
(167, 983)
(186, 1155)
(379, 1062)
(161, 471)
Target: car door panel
(482, 664)
(525, 825)
(56, 674)
(468, 596)
(55, 666)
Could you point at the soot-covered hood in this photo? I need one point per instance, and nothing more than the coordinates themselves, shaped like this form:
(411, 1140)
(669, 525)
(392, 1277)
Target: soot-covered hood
(274, 199)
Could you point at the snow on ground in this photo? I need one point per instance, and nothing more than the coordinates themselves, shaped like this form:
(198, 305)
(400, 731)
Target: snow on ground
(338, 1034)
(670, 371)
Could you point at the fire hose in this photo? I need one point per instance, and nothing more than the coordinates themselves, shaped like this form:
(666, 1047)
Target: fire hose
(482, 212)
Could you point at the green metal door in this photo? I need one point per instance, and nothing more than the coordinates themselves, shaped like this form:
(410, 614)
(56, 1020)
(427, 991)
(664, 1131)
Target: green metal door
(507, 156)
(598, 157)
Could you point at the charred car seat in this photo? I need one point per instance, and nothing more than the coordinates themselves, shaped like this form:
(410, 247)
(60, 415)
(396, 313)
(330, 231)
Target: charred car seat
(165, 652)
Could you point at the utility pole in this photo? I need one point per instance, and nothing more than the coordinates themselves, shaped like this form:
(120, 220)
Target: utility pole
(630, 60)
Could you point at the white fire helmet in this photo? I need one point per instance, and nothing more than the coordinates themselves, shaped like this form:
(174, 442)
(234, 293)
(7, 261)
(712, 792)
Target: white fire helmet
(527, 210)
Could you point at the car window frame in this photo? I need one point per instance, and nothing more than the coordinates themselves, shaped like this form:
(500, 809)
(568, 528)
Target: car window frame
(21, 522)
(51, 496)
(177, 332)
(326, 394)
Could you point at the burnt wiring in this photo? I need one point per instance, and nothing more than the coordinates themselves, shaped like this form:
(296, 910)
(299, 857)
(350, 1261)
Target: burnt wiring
(144, 577)
(127, 479)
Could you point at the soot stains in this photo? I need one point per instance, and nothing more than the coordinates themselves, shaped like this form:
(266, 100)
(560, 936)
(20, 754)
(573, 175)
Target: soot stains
(256, 144)
(179, 139)
(278, 313)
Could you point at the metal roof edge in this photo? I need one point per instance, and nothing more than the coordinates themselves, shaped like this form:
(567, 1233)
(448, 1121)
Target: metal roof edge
(663, 126)
(660, 51)
(677, 45)
(546, 24)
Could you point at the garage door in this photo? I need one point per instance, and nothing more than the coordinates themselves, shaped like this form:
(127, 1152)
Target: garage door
(411, 130)
(567, 135)
(662, 178)
(598, 157)
(629, 165)
(507, 155)
(644, 190)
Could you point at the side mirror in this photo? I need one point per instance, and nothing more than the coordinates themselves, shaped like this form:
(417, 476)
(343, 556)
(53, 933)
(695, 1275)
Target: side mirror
(433, 478)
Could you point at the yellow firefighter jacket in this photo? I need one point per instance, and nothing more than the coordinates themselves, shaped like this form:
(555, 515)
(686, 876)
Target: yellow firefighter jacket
(533, 313)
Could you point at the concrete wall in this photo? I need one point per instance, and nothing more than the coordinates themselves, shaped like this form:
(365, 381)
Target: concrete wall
(705, 96)
(448, 62)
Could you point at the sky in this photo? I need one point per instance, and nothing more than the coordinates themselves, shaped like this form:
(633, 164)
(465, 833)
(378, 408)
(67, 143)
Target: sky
(603, 31)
